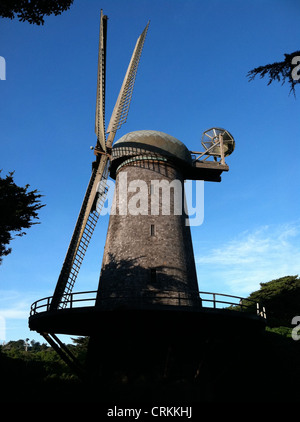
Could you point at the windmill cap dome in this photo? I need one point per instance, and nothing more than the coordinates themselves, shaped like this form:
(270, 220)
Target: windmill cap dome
(154, 141)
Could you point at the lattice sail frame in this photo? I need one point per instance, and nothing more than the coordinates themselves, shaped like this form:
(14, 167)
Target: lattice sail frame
(84, 228)
(120, 112)
(100, 98)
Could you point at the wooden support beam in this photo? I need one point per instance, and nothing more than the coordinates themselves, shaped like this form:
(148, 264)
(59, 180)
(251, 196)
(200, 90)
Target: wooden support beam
(65, 353)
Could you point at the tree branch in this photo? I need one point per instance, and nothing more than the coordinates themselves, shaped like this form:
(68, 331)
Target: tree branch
(278, 71)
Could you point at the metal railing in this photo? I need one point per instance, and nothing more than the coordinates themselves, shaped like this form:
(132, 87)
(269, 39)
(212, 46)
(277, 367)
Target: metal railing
(239, 303)
(213, 300)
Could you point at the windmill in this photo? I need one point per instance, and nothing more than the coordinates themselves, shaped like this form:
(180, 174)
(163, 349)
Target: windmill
(148, 265)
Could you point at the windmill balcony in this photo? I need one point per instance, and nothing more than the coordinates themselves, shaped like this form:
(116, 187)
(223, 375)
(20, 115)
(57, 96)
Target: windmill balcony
(142, 298)
(84, 314)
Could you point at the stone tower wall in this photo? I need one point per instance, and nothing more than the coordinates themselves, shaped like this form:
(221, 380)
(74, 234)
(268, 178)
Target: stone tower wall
(148, 259)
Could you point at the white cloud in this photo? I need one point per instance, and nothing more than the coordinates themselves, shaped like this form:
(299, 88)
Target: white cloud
(14, 313)
(16, 304)
(240, 265)
(13, 305)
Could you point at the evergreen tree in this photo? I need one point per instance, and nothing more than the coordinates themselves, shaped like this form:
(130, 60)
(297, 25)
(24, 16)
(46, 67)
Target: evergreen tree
(286, 70)
(33, 11)
(281, 298)
(18, 209)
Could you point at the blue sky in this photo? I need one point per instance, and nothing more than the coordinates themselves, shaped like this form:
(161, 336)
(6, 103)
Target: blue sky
(192, 76)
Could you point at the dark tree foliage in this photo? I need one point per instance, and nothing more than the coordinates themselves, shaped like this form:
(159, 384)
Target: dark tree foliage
(280, 71)
(281, 297)
(18, 208)
(33, 11)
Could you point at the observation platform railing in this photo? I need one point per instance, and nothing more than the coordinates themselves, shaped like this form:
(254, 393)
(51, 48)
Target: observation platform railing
(212, 300)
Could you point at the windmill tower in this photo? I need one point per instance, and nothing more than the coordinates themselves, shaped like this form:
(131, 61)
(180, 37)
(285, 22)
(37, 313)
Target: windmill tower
(148, 284)
(148, 257)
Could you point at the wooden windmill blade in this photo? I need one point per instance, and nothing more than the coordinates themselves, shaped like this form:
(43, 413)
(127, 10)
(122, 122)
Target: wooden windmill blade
(89, 214)
(100, 98)
(120, 111)
(97, 190)
(84, 228)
